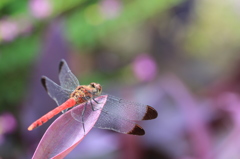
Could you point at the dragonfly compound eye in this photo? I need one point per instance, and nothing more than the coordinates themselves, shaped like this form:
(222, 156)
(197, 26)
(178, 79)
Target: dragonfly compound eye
(93, 85)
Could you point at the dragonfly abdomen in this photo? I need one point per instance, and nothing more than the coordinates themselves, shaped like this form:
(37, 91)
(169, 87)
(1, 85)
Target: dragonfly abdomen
(68, 104)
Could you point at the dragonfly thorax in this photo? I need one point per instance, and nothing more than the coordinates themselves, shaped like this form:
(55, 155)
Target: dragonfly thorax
(85, 92)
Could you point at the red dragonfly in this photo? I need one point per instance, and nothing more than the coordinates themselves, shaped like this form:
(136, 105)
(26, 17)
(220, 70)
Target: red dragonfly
(117, 114)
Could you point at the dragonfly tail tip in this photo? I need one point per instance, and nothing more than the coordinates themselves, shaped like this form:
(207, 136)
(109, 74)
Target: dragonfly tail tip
(30, 128)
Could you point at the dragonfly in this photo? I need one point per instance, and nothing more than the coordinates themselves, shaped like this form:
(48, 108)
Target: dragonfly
(117, 114)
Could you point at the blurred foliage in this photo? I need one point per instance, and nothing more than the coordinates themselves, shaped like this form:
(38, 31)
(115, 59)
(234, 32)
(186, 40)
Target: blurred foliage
(91, 26)
(214, 30)
(16, 59)
(13, 8)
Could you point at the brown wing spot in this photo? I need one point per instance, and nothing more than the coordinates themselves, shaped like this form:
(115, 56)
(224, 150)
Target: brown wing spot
(43, 80)
(137, 130)
(60, 65)
(151, 113)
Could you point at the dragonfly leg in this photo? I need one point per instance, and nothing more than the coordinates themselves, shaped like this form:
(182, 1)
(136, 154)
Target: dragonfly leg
(95, 101)
(93, 106)
(83, 118)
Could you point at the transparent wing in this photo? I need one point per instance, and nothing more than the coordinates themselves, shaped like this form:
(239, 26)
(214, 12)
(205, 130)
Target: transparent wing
(56, 92)
(67, 79)
(106, 119)
(118, 124)
(129, 110)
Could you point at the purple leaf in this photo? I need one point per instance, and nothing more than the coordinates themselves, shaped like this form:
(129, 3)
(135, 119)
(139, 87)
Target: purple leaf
(65, 133)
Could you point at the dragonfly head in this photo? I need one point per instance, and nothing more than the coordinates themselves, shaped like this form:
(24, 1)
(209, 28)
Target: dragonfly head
(96, 88)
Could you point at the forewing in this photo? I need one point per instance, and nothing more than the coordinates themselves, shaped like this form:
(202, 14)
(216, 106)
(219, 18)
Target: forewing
(129, 110)
(118, 124)
(67, 79)
(106, 119)
(56, 92)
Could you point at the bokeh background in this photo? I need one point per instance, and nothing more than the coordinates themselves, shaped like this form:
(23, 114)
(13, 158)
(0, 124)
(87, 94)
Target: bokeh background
(179, 56)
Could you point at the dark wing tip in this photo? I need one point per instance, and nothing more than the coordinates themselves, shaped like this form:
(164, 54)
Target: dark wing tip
(60, 65)
(43, 80)
(137, 130)
(151, 113)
